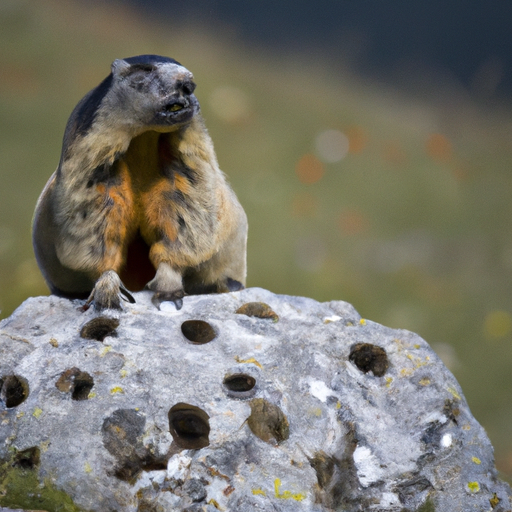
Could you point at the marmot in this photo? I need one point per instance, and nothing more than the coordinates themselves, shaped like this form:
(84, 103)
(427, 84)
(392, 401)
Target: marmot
(138, 197)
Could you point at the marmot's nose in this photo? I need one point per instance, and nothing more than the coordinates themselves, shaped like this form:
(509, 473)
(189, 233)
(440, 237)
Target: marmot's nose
(185, 87)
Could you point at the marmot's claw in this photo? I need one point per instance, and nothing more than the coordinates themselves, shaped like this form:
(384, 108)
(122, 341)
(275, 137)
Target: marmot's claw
(127, 296)
(176, 297)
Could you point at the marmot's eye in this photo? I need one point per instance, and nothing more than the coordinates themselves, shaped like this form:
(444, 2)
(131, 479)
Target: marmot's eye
(188, 87)
(146, 68)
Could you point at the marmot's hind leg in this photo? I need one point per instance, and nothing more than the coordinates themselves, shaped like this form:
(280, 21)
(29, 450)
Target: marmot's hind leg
(224, 272)
(201, 288)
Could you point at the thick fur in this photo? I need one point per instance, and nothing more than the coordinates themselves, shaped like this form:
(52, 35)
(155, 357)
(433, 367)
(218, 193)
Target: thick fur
(138, 194)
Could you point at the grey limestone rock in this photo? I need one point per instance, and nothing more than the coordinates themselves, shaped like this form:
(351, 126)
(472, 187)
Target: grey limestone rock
(230, 404)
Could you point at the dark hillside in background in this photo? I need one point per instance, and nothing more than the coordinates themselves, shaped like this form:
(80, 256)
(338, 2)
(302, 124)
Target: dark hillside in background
(468, 41)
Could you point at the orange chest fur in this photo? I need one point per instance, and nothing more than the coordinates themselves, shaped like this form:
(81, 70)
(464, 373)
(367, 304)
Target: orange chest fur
(147, 195)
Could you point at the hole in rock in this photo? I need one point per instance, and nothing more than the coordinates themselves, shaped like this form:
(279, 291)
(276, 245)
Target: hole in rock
(14, 390)
(99, 328)
(257, 309)
(240, 385)
(323, 465)
(189, 426)
(267, 421)
(198, 331)
(368, 357)
(28, 459)
(131, 463)
(151, 462)
(83, 386)
(76, 382)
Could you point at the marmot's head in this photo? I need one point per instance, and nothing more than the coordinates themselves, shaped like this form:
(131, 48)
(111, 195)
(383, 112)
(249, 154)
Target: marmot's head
(142, 93)
(147, 92)
(150, 92)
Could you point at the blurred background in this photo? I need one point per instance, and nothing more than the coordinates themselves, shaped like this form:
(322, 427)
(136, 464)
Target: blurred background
(370, 144)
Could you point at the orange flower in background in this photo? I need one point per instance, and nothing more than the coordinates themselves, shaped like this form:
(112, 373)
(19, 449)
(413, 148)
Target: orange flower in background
(309, 169)
(352, 222)
(439, 147)
(357, 139)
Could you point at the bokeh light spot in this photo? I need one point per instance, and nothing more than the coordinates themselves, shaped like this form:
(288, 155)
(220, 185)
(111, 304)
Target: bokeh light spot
(439, 147)
(331, 146)
(309, 169)
(230, 104)
(357, 139)
(352, 222)
(498, 324)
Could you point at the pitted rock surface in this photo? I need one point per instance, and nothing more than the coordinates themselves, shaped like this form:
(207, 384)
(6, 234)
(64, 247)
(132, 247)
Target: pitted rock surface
(310, 408)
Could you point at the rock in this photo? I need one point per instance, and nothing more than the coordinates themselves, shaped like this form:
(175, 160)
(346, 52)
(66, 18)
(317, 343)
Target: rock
(298, 406)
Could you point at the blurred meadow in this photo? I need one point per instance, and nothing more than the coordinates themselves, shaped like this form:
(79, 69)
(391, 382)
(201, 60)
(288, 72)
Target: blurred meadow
(397, 200)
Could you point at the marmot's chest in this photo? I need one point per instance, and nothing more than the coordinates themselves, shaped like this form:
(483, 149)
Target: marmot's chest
(152, 203)
(149, 190)
(150, 177)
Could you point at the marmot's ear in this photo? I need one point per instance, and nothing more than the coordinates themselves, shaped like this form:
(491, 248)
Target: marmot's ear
(120, 67)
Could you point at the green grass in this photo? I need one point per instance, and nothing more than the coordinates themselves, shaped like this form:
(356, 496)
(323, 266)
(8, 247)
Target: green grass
(415, 231)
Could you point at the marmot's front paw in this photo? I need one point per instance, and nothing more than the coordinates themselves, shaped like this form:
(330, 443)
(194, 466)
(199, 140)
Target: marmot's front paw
(167, 285)
(107, 292)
